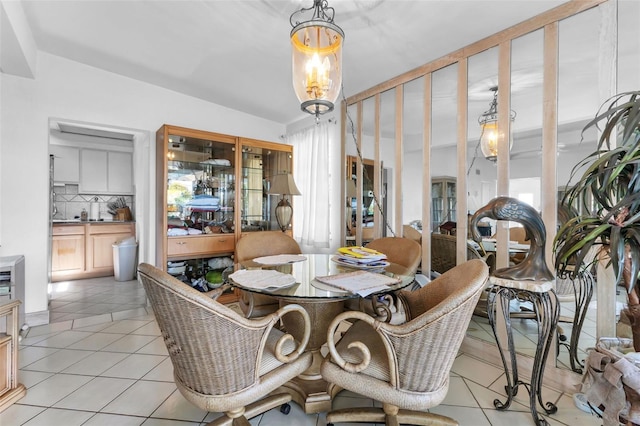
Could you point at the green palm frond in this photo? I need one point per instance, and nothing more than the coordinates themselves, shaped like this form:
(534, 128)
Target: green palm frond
(611, 178)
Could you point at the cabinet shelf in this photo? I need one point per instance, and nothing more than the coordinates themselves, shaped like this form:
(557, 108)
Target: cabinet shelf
(187, 167)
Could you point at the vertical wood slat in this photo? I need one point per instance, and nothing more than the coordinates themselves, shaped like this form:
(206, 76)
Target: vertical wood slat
(359, 175)
(426, 177)
(377, 166)
(548, 180)
(504, 135)
(397, 184)
(345, 177)
(607, 87)
(461, 181)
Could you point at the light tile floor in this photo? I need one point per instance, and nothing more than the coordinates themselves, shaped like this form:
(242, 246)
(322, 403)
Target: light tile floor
(70, 300)
(112, 368)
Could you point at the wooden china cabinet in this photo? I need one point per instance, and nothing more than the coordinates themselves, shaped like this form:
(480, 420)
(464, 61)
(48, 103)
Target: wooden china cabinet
(211, 188)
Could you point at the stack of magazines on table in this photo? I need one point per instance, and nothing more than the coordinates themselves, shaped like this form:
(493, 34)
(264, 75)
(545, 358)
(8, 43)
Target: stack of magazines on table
(360, 258)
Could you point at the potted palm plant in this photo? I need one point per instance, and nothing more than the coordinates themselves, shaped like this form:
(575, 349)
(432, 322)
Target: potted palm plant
(611, 178)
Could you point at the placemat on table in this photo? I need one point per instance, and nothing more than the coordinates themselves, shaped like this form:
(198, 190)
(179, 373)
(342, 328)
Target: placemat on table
(262, 278)
(279, 259)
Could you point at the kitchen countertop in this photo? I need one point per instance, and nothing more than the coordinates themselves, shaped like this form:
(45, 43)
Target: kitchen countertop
(93, 222)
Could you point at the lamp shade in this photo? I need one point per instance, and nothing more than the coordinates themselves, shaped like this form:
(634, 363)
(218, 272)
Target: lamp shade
(283, 184)
(317, 59)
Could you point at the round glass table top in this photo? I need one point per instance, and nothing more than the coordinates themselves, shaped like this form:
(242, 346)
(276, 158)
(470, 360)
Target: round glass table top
(318, 265)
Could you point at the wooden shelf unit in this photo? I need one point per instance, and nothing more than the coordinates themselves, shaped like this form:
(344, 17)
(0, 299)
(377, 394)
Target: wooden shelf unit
(10, 390)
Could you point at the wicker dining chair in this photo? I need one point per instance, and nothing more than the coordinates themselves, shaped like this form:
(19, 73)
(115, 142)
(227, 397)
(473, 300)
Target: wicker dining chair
(443, 253)
(443, 258)
(258, 244)
(406, 366)
(222, 361)
(400, 251)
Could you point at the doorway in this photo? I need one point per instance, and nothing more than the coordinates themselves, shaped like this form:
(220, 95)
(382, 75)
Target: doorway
(91, 289)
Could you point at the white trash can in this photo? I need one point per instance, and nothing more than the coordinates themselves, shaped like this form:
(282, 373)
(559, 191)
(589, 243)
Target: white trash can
(124, 259)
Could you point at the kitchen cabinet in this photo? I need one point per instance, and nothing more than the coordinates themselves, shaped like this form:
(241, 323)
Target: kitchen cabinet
(120, 172)
(67, 250)
(211, 187)
(84, 250)
(106, 172)
(99, 249)
(66, 164)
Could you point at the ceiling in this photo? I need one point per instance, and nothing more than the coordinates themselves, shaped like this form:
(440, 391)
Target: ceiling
(237, 53)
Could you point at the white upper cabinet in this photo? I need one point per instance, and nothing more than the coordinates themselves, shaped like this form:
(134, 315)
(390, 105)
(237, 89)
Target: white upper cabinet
(106, 172)
(93, 171)
(66, 165)
(120, 172)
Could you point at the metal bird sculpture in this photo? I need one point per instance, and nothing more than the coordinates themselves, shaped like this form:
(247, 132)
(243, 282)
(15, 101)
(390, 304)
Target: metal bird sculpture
(534, 266)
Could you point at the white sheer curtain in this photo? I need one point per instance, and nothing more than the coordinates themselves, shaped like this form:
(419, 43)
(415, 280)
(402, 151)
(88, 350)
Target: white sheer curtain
(312, 166)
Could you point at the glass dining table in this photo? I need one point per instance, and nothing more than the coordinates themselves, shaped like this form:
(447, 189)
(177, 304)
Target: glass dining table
(323, 302)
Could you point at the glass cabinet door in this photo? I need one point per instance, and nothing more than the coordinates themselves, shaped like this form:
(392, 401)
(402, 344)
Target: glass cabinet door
(368, 202)
(443, 204)
(200, 186)
(261, 161)
(437, 200)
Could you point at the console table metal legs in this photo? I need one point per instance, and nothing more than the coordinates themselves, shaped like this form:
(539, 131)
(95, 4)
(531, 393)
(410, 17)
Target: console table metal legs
(546, 312)
(580, 290)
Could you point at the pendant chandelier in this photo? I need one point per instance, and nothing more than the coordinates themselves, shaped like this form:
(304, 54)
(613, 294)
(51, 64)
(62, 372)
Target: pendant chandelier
(316, 58)
(489, 128)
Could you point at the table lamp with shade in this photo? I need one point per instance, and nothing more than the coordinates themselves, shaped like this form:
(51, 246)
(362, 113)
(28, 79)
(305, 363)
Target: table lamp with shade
(283, 185)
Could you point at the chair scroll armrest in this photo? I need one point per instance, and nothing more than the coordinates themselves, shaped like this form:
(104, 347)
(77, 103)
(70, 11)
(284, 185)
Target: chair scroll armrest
(382, 307)
(296, 309)
(366, 354)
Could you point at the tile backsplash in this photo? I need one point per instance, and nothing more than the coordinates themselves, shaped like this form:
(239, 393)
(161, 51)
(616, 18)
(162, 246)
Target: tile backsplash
(70, 204)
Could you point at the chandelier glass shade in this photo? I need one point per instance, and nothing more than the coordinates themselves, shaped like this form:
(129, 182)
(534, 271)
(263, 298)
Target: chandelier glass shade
(316, 58)
(489, 131)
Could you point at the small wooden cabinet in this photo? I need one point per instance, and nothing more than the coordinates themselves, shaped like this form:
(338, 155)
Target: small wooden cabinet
(10, 390)
(86, 250)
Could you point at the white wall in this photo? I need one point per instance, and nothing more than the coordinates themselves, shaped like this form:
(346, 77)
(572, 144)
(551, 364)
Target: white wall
(69, 90)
